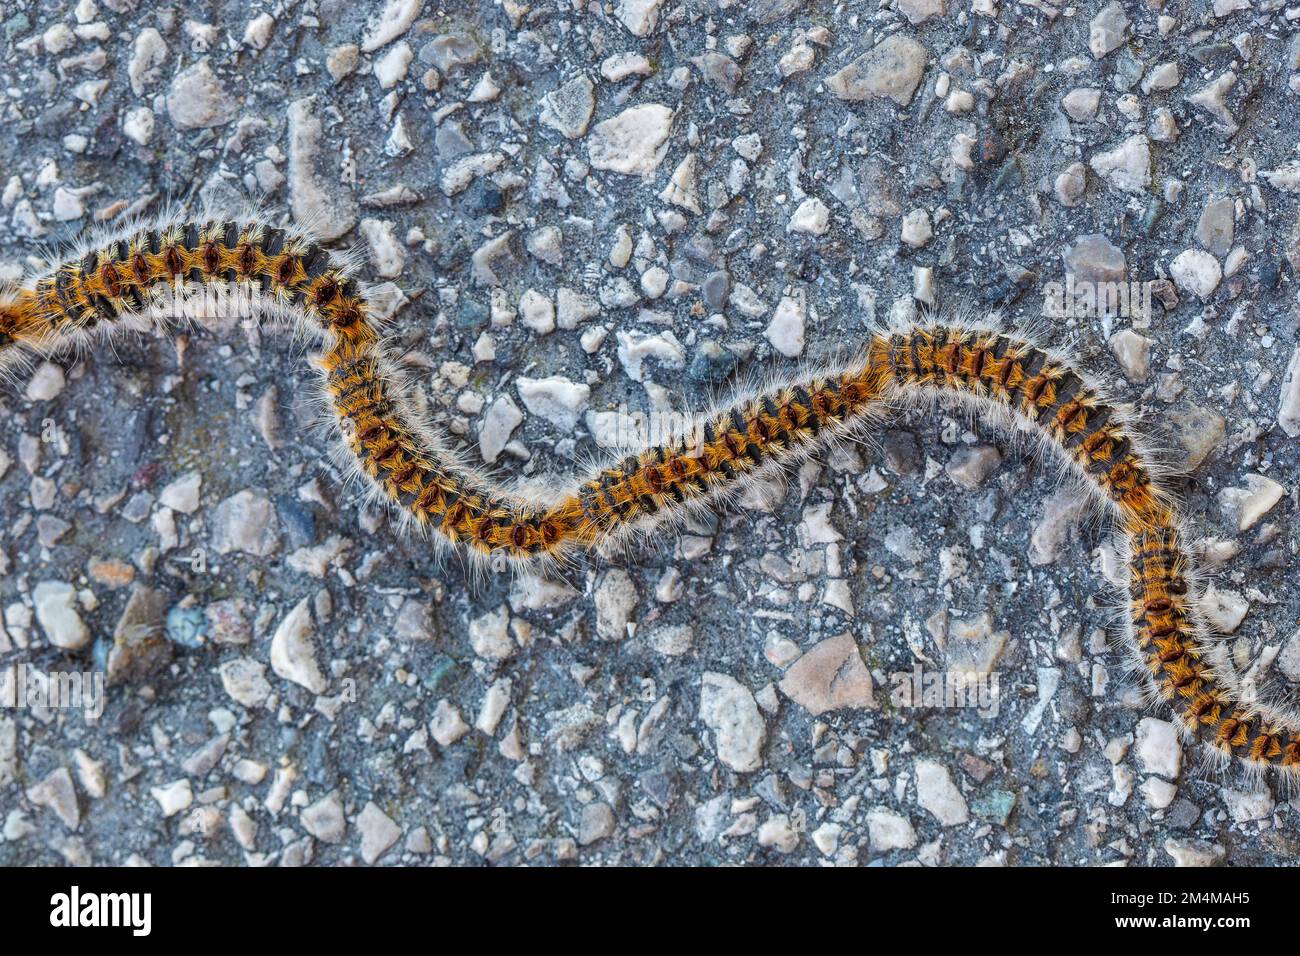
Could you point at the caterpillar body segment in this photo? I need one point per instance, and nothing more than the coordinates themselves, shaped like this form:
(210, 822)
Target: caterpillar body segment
(121, 283)
(1045, 391)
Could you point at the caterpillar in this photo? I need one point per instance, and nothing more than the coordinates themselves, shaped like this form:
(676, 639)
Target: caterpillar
(113, 285)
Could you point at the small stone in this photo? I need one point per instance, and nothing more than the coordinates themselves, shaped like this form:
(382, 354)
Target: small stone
(916, 230)
(138, 124)
(378, 832)
(313, 196)
(1158, 748)
(246, 522)
(777, 833)
(419, 841)
(390, 23)
(413, 622)
(1080, 104)
(1210, 98)
(1200, 431)
(729, 710)
(620, 252)
(1288, 661)
(620, 66)
(1133, 352)
(1247, 806)
(750, 146)
(569, 109)
(616, 599)
(459, 175)
(447, 725)
(1094, 258)
(1194, 852)
(1214, 230)
(596, 824)
(918, 11)
(107, 571)
(1127, 167)
(719, 69)
(546, 244)
(1224, 609)
(1106, 30)
(324, 819)
(489, 635)
(244, 679)
(1061, 512)
(56, 610)
(498, 424)
(182, 494)
(485, 90)
(186, 626)
(57, 38)
(557, 399)
(970, 466)
(90, 772)
(46, 383)
(1197, 272)
(173, 797)
(293, 653)
(888, 831)
(450, 52)
(936, 792)
(902, 452)
(1163, 77)
(799, 59)
(572, 308)
(343, 61)
(387, 254)
(890, 70)
(829, 676)
(1286, 177)
(148, 56)
(1252, 502)
(634, 142)
(257, 34)
(1288, 409)
(494, 705)
(654, 282)
(197, 99)
(1070, 185)
(537, 312)
(1158, 793)
(682, 189)
(673, 640)
(786, 330)
(67, 205)
(56, 792)
(639, 16)
(812, 217)
(1163, 127)
(715, 290)
(827, 838)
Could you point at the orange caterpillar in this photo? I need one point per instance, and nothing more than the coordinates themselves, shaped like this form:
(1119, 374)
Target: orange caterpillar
(115, 285)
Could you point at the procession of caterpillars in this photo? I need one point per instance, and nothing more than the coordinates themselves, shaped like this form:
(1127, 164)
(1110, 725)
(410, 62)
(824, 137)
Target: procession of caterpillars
(113, 284)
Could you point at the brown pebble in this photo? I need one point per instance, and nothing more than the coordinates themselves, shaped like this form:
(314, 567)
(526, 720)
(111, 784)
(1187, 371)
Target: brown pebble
(110, 572)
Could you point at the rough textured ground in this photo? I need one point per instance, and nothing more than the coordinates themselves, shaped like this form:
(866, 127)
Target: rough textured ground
(167, 511)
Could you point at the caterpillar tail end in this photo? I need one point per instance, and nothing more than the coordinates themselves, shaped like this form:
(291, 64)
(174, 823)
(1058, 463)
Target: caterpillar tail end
(22, 329)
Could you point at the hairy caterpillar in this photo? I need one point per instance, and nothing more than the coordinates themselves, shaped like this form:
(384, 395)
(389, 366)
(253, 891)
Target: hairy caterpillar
(113, 285)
